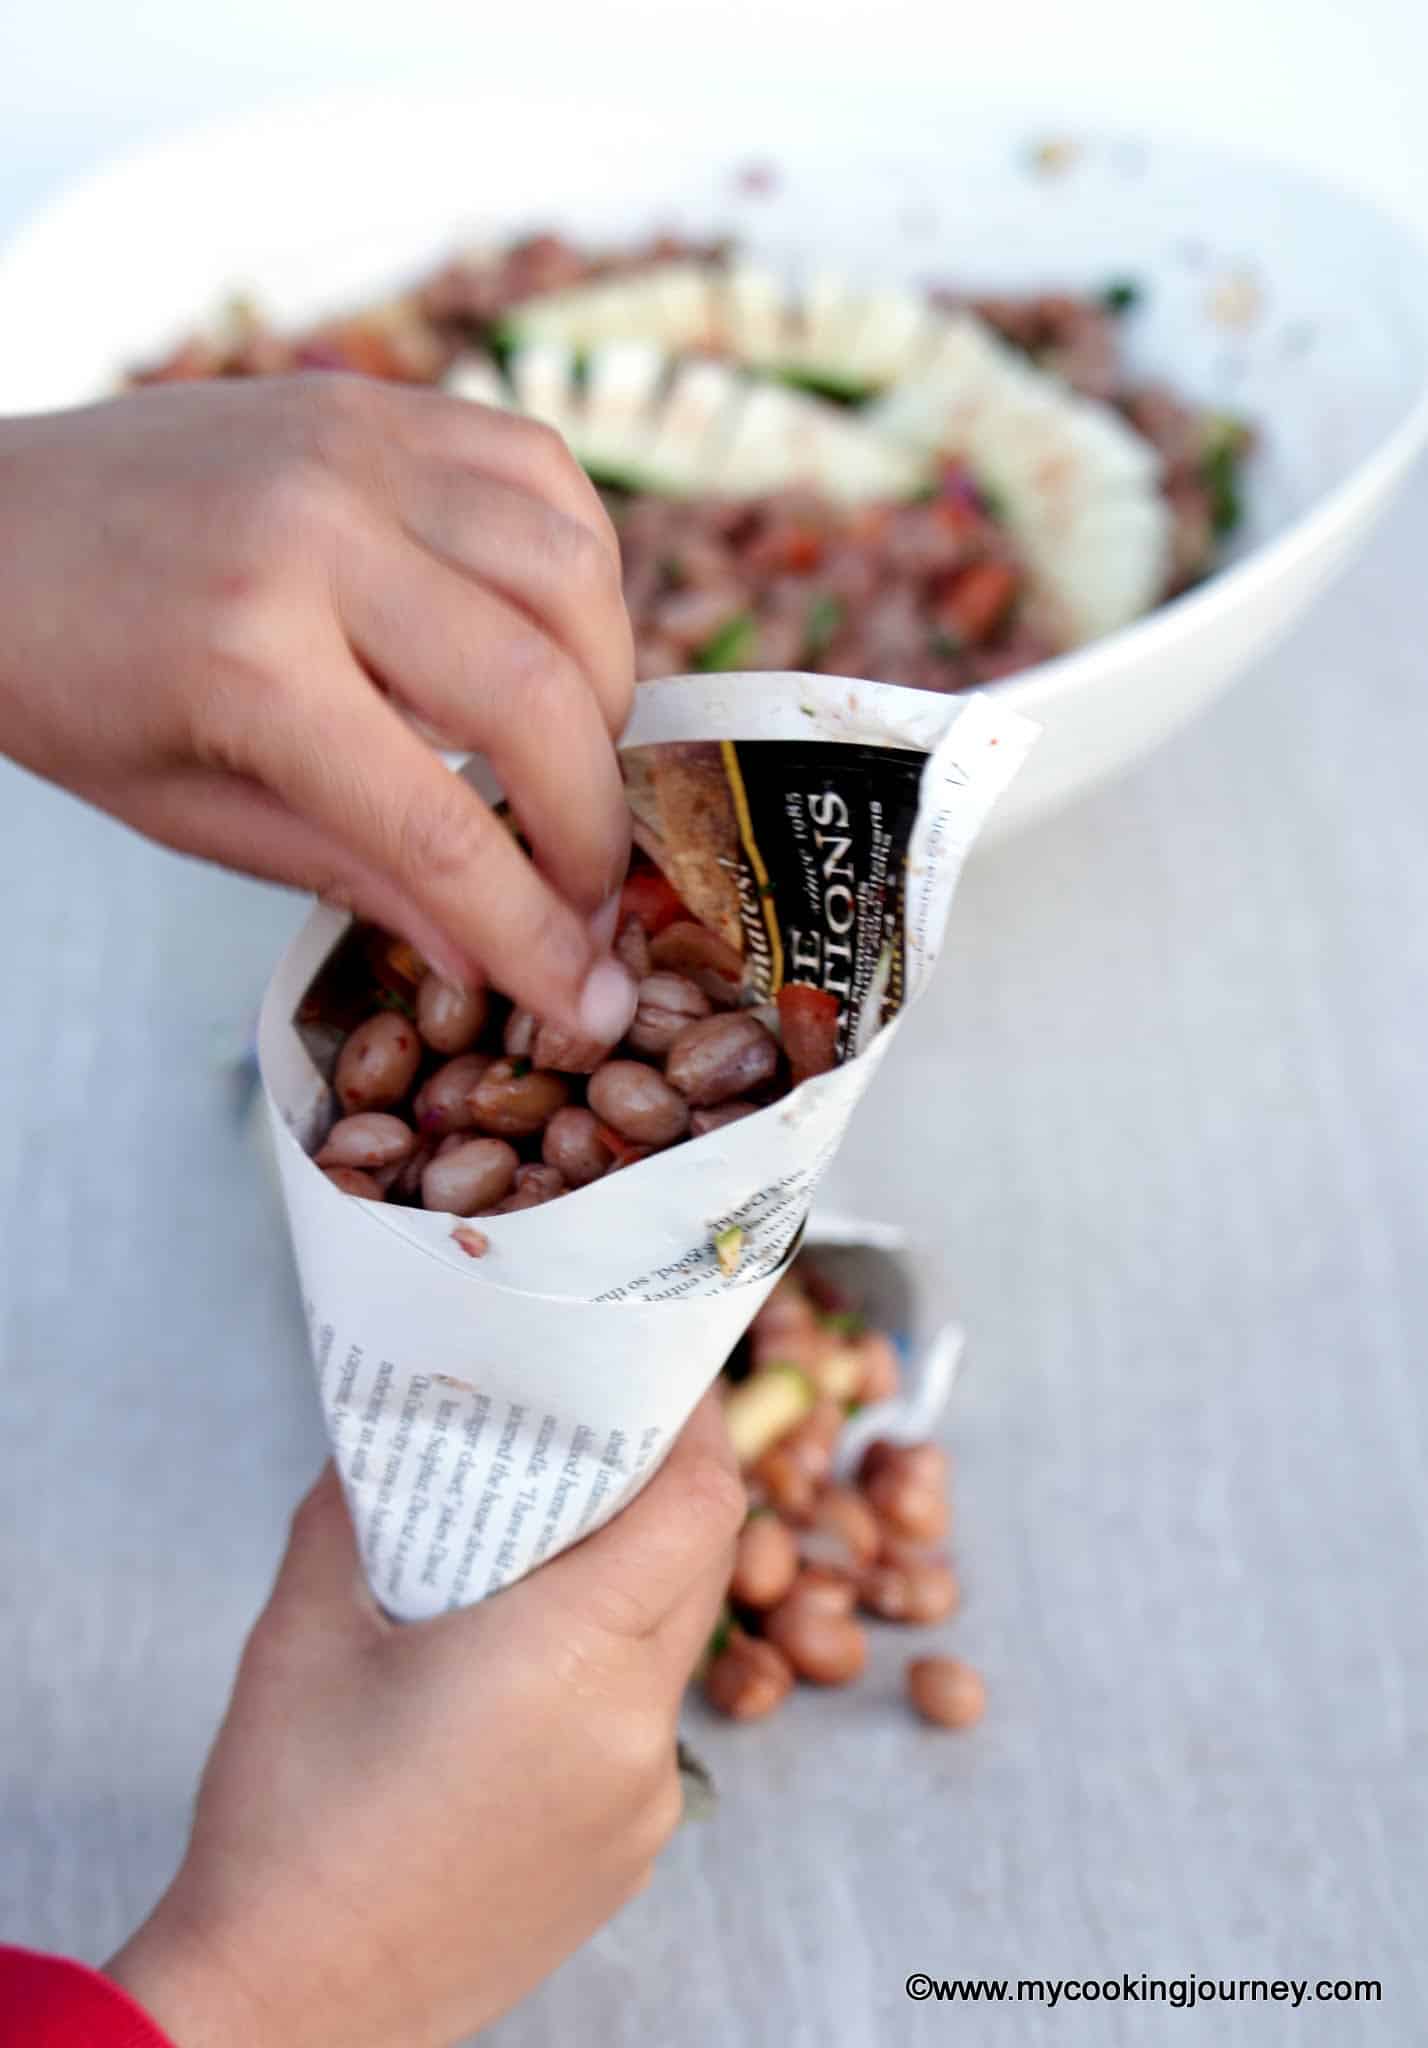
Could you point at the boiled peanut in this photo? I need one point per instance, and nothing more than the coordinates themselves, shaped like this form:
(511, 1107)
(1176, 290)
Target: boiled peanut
(844, 1514)
(547, 1046)
(514, 1102)
(638, 1102)
(371, 1138)
(378, 1063)
(719, 1057)
(921, 1593)
(632, 948)
(828, 1587)
(665, 1004)
(928, 1463)
(693, 950)
(572, 1144)
(442, 1103)
(911, 1509)
(353, 1181)
(824, 1648)
(406, 1186)
(765, 1562)
(748, 1678)
(534, 1185)
(472, 1176)
(703, 1121)
(783, 1481)
(518, 1038)
(881, 1372)
(450, 1019)
(946, 1691)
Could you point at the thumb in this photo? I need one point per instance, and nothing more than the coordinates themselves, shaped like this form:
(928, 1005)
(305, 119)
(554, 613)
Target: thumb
(634, 1573)
(321, 1571)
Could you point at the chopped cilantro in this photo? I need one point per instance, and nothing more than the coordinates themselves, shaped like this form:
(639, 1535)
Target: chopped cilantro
(734, 642)
(829, 384)
(1122, 295)
(845, 1322)
(825, 616)
(1225, 446)
(520, 1068)
(388, 999)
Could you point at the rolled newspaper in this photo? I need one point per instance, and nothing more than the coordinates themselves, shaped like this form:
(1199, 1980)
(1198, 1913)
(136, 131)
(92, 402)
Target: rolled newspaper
(486, 1412)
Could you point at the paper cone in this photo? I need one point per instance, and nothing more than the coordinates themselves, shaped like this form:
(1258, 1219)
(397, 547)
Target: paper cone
(486, 1413)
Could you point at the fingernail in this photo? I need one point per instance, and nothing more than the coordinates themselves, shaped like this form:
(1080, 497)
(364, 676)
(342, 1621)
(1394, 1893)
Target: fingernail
(448, 964)
(607, 1002)
(602, 924)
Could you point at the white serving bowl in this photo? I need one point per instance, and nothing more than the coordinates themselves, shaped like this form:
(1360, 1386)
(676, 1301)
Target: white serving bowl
(1267, 293)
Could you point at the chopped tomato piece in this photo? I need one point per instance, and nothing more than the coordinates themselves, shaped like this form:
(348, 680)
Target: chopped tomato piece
(625, 1150)
(976, 600)
(787, 551)
(808, 1018)
(648, 896)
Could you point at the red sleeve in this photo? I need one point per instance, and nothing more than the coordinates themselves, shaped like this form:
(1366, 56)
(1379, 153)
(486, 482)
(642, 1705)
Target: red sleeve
(50, 2002)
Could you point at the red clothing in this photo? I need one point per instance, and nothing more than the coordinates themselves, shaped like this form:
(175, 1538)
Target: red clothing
(50, 2002)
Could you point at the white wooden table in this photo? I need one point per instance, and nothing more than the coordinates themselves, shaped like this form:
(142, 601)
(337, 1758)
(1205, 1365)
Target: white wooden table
(1167, 1115)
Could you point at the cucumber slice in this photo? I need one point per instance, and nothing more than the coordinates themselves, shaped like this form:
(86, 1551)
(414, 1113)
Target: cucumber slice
(695, 420)
(478, 379)
(669, 305)
(544, 384)
(752, 316)
(1075, 485)
(686, 428)
(616, 422)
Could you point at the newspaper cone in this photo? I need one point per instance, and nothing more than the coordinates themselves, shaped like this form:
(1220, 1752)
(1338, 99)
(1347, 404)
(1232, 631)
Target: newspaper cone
(486, 1413)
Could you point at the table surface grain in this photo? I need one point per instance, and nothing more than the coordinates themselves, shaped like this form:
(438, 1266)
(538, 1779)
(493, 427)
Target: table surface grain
(1165, 1119)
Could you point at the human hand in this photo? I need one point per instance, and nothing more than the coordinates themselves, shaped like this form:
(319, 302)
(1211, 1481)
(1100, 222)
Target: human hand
(401, 1830)
(219, 598)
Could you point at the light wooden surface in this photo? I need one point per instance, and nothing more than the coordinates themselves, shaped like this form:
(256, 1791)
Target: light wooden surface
(1167, 1119)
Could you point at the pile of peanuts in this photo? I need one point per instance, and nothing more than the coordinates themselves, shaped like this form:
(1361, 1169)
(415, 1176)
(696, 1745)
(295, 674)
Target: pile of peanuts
(814, 1553)
(452, 1100)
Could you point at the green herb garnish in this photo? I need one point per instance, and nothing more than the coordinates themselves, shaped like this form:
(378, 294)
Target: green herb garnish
(733, 643)
(388, 999)
(838, 390)
(1226, 445)
(520, 1068)
(946, 646)
(1122, 295)
(825, 616)
(844, 1322)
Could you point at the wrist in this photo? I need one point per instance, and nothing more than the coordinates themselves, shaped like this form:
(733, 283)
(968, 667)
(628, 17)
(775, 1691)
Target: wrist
(189, 1985)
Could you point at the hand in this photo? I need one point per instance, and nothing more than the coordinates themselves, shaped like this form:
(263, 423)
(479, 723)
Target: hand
(401, 1830)
(219, 599)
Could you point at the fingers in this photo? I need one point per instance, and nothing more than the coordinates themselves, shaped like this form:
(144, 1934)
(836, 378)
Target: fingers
(476, 670)
(503, 447)
(321, 1571)
(555, 569)
(344, 760)
(239, 824)
(659, 1568)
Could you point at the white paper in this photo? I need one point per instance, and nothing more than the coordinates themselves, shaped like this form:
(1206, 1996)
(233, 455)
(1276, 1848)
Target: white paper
(485, 1413)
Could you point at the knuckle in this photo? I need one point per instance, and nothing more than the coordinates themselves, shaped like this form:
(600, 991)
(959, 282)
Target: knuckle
(299, 499)
(587, 561)
(547, 453)
(545, 679)
(623, 1611)
(444, 838)
(719, 1494)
